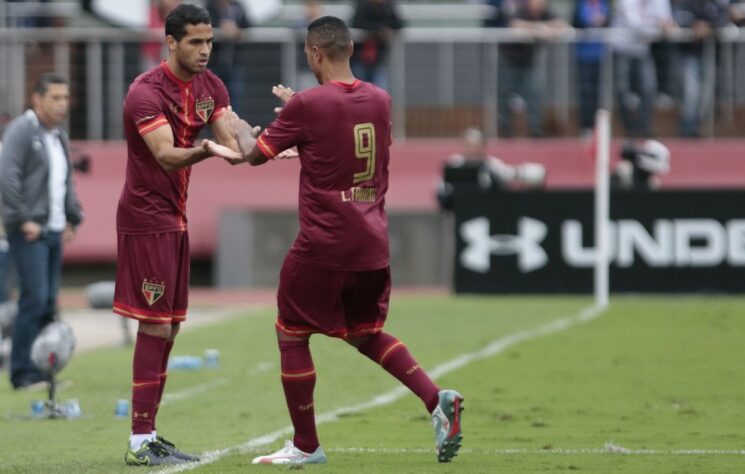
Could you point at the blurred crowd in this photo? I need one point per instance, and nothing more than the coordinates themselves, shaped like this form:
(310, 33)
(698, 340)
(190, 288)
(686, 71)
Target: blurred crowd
(647, 70)
(639, 65)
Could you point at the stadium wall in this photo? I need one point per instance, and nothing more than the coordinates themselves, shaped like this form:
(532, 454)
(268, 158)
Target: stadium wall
(415, 167)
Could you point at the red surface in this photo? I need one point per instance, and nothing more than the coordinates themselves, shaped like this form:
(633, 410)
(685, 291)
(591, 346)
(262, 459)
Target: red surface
(415, 167)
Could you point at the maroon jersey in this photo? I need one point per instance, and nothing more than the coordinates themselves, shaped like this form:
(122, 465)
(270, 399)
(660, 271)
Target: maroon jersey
(342, 132)
(154, 200)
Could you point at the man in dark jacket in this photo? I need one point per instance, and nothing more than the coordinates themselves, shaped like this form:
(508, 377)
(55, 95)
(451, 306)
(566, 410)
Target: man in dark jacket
(40, 210)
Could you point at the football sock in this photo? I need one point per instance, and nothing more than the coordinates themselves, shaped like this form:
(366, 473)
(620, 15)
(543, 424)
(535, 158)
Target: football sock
(136, 440)
(163, 377)
(298, 382)
(396, 359)
(148, 356)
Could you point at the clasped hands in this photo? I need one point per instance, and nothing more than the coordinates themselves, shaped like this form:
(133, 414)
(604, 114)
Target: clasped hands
(246, 135)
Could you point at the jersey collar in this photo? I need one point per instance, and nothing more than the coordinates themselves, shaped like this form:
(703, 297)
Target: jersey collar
(345, 85)
(173, 76)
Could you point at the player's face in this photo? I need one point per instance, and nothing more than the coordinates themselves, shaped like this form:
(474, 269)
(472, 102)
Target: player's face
(52, 106)
(193, 51)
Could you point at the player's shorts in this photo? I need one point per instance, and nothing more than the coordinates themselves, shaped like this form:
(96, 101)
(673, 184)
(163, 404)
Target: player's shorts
(336, 303)
(152, 277)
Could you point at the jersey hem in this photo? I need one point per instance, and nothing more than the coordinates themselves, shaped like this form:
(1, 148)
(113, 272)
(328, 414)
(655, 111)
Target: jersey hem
(344, 268)
(151, 231)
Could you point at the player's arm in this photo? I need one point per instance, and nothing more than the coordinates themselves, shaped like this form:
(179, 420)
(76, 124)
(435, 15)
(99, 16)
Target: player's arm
(245, 136)
(160, 143)
(222, 134)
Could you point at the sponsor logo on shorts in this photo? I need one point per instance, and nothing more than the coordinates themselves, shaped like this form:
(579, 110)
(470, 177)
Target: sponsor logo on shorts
(153, 290)
(204, 108)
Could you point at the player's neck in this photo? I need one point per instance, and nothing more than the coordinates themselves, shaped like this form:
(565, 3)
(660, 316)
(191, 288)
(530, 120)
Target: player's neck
(178, 71)
(341, 73)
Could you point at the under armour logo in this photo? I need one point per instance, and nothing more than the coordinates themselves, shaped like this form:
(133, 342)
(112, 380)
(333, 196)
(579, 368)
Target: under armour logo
(140, 415)
(480, 245)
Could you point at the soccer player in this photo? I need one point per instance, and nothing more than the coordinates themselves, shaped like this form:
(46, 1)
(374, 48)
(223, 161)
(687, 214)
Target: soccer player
(336, 278)
(165, 109)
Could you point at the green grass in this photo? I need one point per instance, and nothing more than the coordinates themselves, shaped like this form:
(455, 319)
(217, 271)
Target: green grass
(657, 374)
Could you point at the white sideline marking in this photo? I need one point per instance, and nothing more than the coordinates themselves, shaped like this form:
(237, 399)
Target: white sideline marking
(197, 389)
(193, 391)
(509, 451)
(497, 346)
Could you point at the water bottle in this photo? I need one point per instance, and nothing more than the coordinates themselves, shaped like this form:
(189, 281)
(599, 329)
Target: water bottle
(185, 363)
(122, 408)
(212, 358)
(71, 409)
(37, 408)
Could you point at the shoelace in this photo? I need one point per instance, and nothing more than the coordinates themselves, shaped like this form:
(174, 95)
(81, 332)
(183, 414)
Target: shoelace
(288, 447)
(157, 447)
(165, 441)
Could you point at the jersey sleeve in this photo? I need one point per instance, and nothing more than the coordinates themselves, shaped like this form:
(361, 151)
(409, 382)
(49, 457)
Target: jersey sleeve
(287, 131)
(222, 100)
(146, 110)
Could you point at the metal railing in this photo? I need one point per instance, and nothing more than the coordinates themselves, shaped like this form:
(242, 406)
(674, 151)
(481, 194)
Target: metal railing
(448, 54)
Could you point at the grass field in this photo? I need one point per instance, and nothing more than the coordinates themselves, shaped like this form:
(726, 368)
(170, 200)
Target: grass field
(650, 385)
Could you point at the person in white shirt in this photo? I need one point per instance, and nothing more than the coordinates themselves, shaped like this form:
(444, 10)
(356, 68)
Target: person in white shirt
(636, 78)
(40, 211)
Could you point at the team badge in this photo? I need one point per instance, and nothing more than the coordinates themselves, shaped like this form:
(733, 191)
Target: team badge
(153, 290)
(204, 109)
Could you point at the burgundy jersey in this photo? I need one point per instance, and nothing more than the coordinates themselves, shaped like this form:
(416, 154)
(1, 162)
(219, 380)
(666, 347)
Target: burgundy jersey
(342, 132)
(154, 200)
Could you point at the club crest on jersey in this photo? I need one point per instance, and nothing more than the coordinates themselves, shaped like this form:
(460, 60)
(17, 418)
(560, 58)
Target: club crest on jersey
(153, 290)
(204, 109)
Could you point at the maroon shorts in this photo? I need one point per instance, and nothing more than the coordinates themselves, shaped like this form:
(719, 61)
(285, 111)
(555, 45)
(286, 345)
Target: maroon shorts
(152, 277)
(332, 302)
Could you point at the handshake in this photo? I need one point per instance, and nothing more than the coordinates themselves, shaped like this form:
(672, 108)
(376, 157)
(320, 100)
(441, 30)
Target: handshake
(246, 135)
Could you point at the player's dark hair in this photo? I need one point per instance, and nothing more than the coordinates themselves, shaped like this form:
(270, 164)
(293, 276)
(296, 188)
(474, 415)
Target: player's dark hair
(182, 15)
(42, 83)
(332, 35)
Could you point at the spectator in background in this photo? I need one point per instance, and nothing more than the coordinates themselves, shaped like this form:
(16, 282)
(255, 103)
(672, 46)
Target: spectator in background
(35, 21)
(737, 12)
(152, 53)
(41, 211)
(636, 79)
(230, 19)
(379, 20)
(502, 11)
(312, 11)
(701, 17)
(517, 64)
(590, 54)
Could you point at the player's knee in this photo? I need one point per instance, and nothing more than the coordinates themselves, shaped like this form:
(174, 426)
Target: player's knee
(358, 341)
(157, 330)
(175, 328)
(289, 342)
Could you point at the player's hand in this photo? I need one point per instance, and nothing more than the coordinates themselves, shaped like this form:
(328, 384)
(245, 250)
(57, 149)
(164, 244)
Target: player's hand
(283, 93)
(31, 230)
(221, 151)
(288, 154)
(237, 126)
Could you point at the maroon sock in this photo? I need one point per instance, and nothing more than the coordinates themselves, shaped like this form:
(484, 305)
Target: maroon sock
(148, 356)
(395, 358)
(298, 382)
(163, 377)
